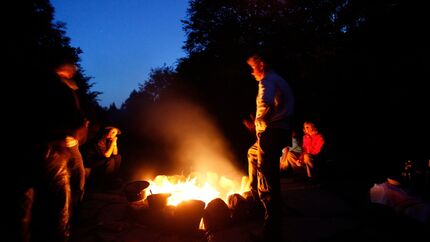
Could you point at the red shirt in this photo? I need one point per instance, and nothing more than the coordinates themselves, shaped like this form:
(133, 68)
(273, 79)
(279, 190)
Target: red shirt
(312, 144)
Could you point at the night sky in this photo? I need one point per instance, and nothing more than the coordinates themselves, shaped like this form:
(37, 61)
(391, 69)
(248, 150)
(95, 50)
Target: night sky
(123, 40)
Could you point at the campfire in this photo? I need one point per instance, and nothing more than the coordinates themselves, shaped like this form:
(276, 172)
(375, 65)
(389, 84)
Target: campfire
(197, 201)
(197, 186)
(213, 189)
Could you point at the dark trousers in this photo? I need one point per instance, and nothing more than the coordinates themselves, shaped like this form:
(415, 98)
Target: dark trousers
(270, 145)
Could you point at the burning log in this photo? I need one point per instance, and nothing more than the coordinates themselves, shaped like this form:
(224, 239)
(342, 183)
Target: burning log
(216, 215)
(239, 207)
(188, 215)
(179, 202)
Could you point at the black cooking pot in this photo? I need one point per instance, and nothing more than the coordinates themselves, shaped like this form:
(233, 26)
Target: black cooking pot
(158, 200)
(136, 190)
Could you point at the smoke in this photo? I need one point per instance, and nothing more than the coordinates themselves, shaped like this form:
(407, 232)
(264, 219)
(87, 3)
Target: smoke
(194, 142)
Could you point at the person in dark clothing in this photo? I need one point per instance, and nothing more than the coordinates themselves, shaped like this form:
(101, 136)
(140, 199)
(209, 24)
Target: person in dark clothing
(50, 178)
(74, 113)
(103, 158)
(274, 108)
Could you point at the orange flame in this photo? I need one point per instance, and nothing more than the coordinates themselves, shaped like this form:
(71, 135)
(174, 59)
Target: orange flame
(205, 187)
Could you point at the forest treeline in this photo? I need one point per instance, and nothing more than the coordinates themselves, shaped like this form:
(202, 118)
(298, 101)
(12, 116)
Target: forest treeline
(358, 67)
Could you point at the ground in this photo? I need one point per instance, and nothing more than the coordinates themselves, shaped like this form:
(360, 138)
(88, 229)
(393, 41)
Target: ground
(334, 209)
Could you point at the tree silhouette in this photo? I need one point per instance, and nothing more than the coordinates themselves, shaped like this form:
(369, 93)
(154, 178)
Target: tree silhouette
(342, 57)
(35, 44)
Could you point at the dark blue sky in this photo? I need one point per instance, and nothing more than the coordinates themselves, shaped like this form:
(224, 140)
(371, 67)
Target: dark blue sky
(123, 40)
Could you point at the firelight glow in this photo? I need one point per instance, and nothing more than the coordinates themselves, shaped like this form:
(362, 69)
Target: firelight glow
(205, 187)
(199, 159)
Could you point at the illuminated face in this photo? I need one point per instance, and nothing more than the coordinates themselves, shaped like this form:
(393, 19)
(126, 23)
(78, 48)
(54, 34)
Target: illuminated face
(257, 66)
(309, 128)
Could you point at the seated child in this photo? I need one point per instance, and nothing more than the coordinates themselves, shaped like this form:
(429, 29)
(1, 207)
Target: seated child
(313, 142)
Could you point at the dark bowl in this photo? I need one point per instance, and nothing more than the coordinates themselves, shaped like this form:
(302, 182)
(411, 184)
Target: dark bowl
(136, 190)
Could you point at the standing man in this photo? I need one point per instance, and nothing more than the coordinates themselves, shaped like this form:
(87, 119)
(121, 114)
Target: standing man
(274, 108)
(50, 175)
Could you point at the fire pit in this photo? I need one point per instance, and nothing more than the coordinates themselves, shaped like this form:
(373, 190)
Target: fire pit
(181, 200)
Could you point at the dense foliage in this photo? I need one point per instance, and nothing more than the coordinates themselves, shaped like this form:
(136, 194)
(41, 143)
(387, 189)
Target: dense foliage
(356, 66)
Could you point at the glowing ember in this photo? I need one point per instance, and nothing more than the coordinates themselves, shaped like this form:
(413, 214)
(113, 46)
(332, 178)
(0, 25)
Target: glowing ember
(197, 186)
